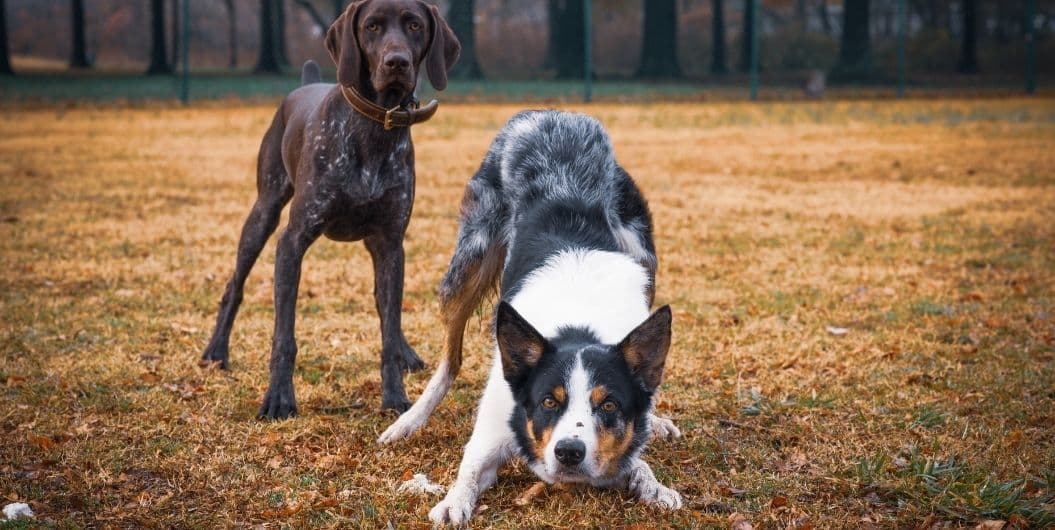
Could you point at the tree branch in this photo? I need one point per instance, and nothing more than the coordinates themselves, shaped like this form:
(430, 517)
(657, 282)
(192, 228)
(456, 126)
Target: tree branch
(314, 14)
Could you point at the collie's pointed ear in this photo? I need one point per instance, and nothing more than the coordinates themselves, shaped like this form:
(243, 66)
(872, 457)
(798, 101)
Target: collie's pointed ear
(343, 45)
(444, 48)
(520, 344)
(645, 349)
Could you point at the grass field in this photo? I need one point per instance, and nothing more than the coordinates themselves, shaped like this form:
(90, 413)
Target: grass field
(924, 229)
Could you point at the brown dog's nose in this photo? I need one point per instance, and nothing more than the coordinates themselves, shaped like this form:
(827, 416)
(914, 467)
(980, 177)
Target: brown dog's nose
(397, 61)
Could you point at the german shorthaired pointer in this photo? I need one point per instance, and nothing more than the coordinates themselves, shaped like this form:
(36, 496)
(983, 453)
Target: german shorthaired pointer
(343, 155)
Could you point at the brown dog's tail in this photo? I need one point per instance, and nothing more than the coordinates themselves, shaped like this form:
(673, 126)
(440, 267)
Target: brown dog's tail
(310, 73)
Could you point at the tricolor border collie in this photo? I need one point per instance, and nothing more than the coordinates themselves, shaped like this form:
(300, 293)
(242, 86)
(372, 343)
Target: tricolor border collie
(578, 355)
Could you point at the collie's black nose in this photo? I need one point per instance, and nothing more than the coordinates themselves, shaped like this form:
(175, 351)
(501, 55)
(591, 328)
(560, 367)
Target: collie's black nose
(570, 451)
(397, 61)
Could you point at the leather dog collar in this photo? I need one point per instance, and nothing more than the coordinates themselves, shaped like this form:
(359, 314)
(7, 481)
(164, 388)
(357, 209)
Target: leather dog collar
(398, 116)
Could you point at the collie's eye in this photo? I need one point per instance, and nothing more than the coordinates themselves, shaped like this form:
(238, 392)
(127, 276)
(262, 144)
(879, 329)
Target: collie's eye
(373, 27)
(549, 403)
(609, 406)
(414, 26)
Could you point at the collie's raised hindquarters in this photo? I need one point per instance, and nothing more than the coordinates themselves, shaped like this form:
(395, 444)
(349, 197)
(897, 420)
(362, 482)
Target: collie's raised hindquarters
(538, 158)
(578, 357)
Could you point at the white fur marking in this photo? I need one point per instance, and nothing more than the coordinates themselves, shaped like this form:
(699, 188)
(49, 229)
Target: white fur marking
(602, 291)
(578, 412)
(410, 421)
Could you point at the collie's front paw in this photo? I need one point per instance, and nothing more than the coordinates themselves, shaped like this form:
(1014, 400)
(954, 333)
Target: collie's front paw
(455, 509)
(643, 484)
(408, 423)
(662, 497)
(663, 428)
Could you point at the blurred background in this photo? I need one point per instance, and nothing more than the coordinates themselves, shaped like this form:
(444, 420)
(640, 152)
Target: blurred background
(537, 49)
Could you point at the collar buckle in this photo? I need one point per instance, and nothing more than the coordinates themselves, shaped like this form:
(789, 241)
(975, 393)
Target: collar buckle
(389, 114)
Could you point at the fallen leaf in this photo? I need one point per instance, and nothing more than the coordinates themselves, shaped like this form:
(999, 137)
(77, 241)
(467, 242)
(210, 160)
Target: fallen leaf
(189, 330)
(45, 443)
(837, 331)
(529, 495)
(991, 524)
(778, 502)
(739, 521)
(326, 503)
(275, 462)
(730, 491)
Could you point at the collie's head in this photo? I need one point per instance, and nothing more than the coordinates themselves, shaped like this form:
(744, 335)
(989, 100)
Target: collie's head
(581, 406)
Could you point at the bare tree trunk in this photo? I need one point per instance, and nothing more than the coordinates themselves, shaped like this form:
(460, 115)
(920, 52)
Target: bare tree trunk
(460, 16)
(826, 21)
(232, 35)
(5, 57)
(566, 19)
(969, 49)
(718, 64)
(800, 15)
(746, 38)
(268, 61)
(176, 33)
(79, 57)
(855, 50)
(159, 63)
(1003, 36)
(280, 33)
(659, 47)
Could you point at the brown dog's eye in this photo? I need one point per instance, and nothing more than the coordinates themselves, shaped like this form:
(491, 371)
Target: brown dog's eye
(549, 403)
(414, 26)
(373, 27)
(609, 407)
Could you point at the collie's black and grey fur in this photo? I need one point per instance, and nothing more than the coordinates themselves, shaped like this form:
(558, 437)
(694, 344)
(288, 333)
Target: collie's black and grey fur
(578, 356)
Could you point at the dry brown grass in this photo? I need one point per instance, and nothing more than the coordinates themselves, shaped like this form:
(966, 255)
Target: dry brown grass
(926, 228)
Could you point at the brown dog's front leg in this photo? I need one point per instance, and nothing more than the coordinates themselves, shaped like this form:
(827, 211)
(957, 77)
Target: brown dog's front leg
(386, 250)
(279, 401)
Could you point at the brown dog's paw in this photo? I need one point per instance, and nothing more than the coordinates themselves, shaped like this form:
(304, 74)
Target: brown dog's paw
(279, 403)
(409, 360)
(214, 356)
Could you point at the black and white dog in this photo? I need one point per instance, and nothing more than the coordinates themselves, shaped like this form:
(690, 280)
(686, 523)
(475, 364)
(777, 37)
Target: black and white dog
(578, 356)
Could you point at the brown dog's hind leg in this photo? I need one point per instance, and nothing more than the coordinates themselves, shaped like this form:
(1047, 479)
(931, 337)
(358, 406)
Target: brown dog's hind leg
(274, 190)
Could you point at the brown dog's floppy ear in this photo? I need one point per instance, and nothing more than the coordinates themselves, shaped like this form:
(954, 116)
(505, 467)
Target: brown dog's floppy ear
(343, 45)
(443, 50)
(645, 348)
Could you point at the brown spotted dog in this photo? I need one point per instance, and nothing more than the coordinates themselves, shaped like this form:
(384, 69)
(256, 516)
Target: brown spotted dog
(342, 156)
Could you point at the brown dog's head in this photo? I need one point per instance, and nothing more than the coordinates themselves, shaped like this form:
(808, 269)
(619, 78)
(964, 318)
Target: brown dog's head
(379, 45)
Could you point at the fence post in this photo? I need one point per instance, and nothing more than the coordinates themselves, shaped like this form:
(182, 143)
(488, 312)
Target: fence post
(587, 35)
(754, 49)
(902, 33)
(185, 30)
(1031, 47)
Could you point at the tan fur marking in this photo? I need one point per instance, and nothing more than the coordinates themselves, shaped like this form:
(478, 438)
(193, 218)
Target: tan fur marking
(538, 445)
(611, 448)
(598, 395)
(457, 308)
(559, 394)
